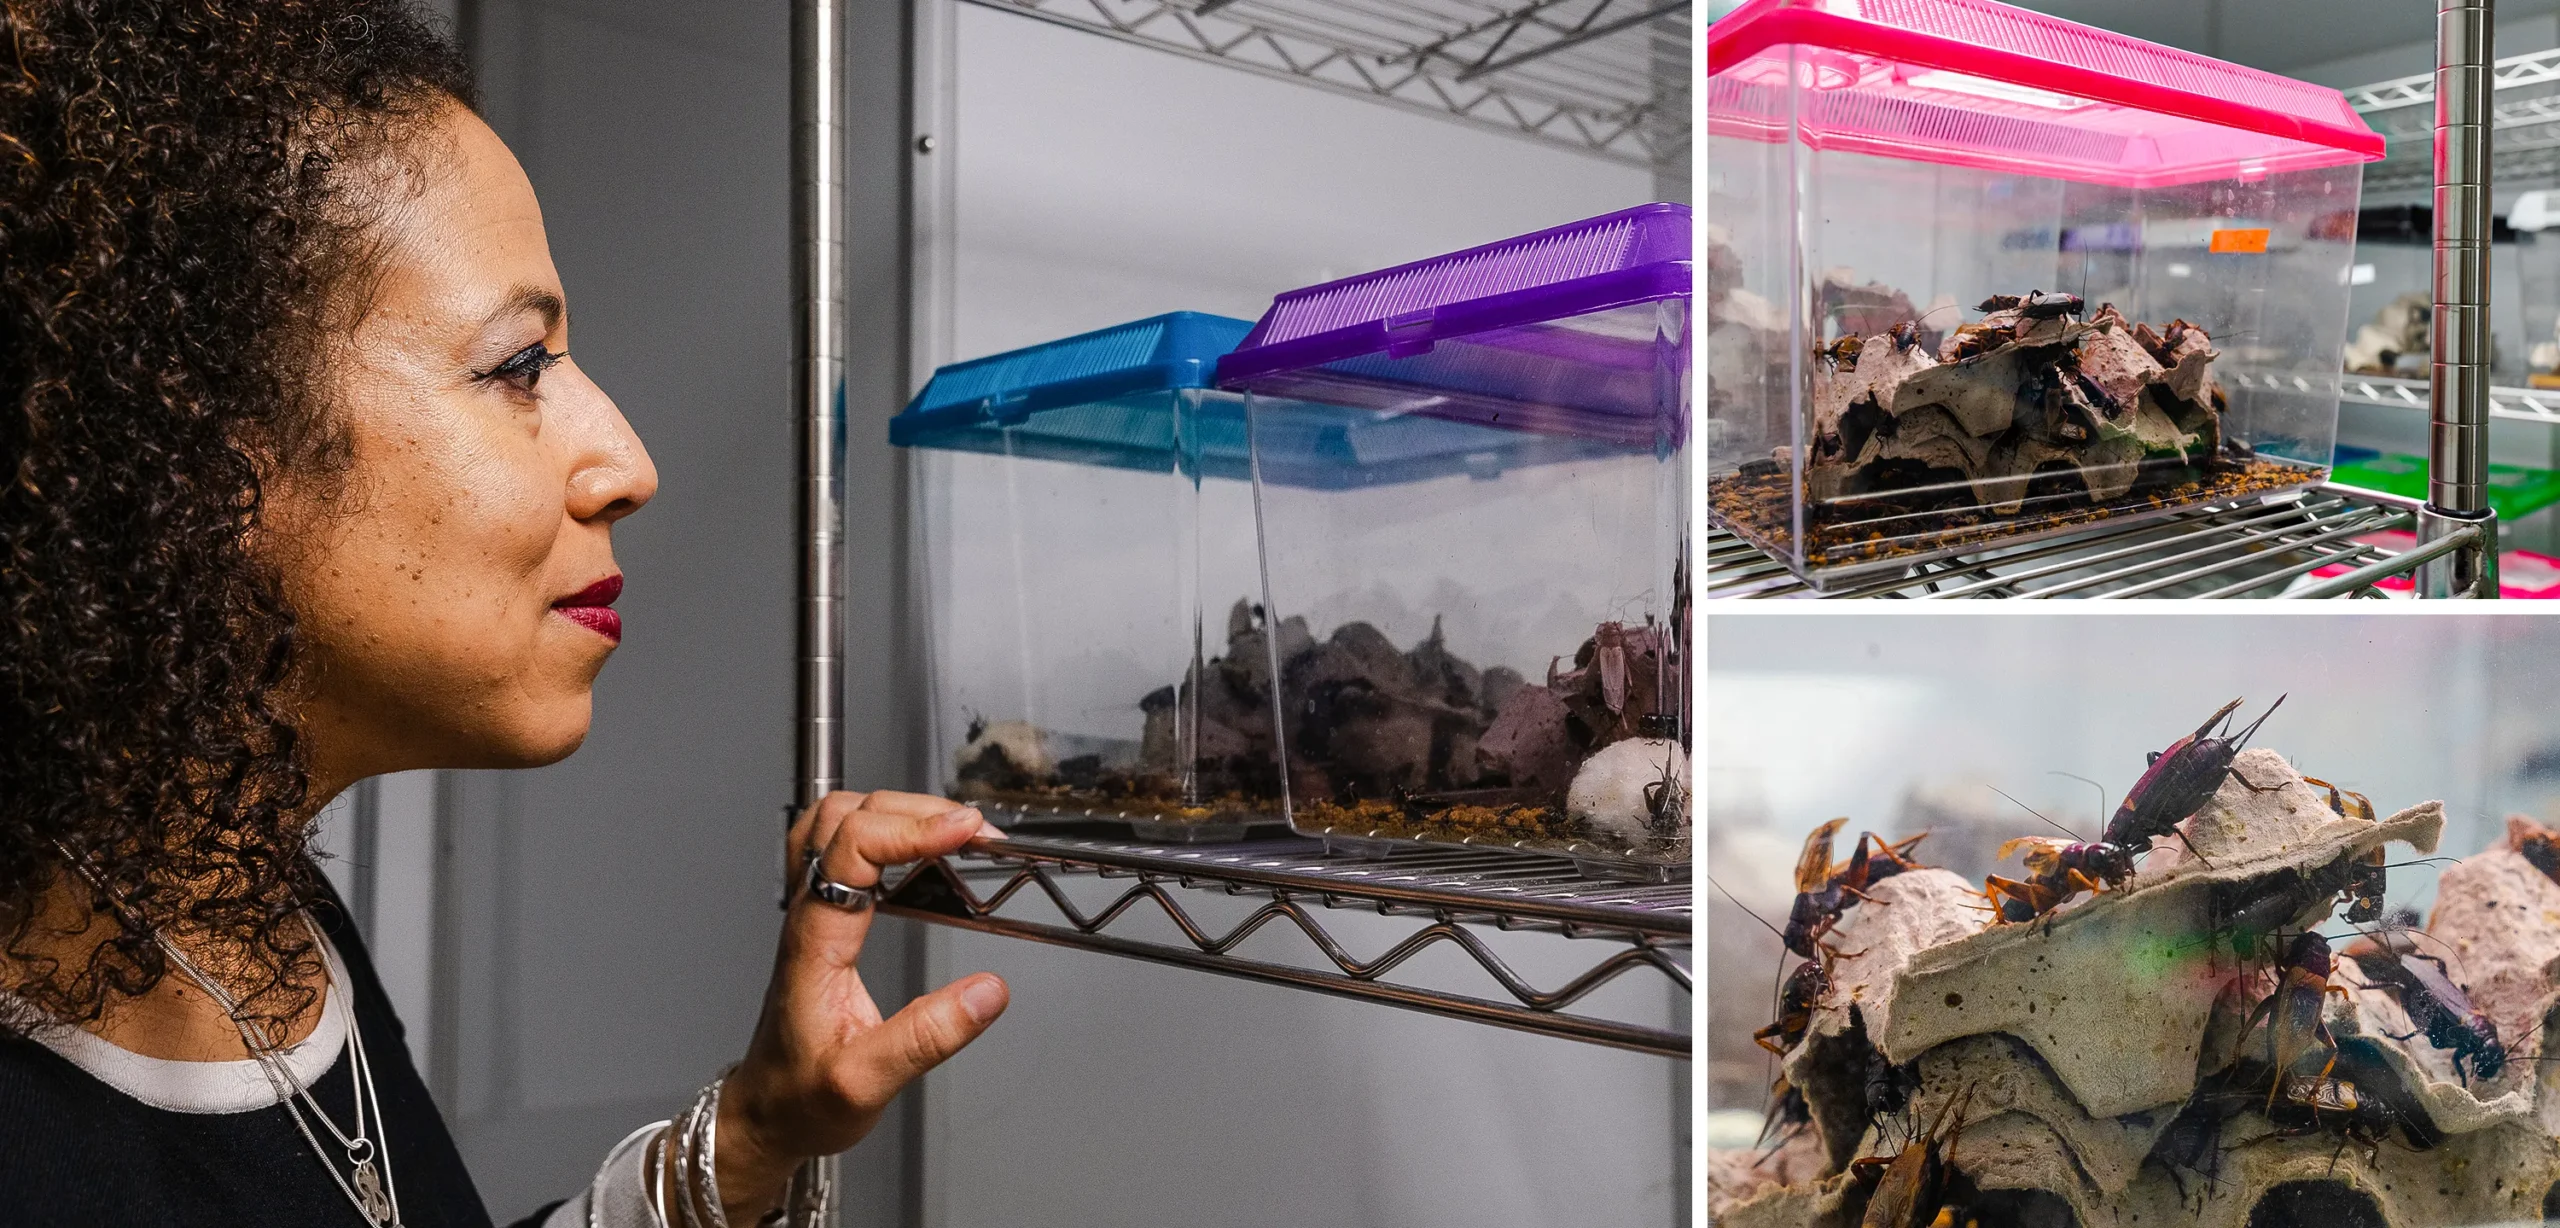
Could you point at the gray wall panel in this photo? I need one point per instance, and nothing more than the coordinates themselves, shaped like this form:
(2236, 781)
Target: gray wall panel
(613, 914)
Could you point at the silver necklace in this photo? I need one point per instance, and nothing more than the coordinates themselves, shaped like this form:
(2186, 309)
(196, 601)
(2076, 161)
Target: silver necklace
(374, 1191)
(371, 1188)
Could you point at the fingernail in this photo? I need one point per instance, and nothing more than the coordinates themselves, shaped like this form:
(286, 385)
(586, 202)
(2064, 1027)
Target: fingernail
(984, 998)
(957, 818)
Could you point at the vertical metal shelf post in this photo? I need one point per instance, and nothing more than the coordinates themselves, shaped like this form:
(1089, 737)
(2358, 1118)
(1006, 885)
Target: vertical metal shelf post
(817, 232)
(2458, 388)
(817, 222)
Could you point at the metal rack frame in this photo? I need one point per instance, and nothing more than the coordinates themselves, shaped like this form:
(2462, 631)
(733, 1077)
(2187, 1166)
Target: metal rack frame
(2392, 108)
(1450, 894)
(1509, 69)
(2535, 405)
(2220, 551)
(1581, 73)
(1577, 73)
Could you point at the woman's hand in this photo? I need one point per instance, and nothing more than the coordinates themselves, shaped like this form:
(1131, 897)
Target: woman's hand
(824, 1064)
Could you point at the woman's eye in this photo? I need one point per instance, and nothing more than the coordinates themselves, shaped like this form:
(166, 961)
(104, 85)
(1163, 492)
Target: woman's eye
(524, 368)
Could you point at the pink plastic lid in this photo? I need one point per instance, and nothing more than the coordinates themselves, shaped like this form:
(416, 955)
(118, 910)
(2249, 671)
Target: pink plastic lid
(1978, 83)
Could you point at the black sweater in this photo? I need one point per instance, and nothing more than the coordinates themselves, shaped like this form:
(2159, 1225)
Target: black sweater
(75, 1151)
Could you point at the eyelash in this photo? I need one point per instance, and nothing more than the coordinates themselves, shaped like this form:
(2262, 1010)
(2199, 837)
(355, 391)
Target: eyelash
(524, 368)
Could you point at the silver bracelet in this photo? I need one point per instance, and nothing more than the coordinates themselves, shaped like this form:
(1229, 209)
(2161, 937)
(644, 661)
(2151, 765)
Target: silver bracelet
(692, 1169)
(698, 1160)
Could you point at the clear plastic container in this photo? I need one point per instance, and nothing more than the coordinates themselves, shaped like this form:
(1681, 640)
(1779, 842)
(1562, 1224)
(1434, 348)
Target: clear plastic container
(1085, 521)
(1977, 274)
(2390, 310)
(1473, 474)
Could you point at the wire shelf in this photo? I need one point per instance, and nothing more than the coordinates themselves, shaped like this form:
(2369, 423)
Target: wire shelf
(2418, 90)
(2524, 121)
(1603, 76)
(1616, 928)
(2516, 404)
(2229, 550)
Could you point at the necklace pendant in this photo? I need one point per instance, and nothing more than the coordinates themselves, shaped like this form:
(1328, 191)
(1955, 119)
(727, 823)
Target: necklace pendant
(369, 1192)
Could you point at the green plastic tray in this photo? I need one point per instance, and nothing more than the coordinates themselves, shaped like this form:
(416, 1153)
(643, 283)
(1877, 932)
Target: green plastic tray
(2514, 490)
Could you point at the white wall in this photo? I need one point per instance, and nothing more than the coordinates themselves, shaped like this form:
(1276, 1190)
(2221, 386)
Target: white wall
(1097, 183)
(1101, 182)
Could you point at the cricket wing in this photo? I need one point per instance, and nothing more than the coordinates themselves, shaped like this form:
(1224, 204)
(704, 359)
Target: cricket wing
(1813, 866)
(1897, 1198)
(2294, 1027)
(2044, 853)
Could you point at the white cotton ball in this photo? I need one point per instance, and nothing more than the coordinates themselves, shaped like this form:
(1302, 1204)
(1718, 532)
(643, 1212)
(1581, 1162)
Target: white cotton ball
(1019, 744)
(1608, 792)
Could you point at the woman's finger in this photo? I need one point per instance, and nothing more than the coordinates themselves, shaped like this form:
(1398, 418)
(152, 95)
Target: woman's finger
(870, 840)
(816, 826)
(820, 937)
(919, 805)
(917, 1039)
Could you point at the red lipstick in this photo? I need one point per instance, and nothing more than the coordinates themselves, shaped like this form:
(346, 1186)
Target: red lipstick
(592, 608)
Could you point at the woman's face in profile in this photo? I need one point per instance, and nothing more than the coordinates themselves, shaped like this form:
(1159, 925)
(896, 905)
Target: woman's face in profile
(451, 585)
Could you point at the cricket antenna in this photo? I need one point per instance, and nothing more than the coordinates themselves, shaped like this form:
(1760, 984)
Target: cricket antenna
(2032, 810)
(2416, 932)
(2102, 790)
(2381, 931)
(2262, 719)
(1737, 902)
(1782, 958)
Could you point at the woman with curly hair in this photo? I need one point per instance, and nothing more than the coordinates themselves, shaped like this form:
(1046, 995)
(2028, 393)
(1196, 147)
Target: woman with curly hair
(300, 485)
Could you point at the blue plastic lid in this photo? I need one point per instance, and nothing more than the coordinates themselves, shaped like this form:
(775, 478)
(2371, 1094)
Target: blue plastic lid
(1093, 398)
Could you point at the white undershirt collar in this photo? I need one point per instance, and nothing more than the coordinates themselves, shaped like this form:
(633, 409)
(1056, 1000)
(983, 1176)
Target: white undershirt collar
(211, 1087)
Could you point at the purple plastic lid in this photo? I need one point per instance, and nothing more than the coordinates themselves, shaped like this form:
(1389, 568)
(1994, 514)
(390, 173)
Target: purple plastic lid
(1632, 256)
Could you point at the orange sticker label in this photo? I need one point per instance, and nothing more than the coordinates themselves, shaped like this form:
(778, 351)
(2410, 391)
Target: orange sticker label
(2240, 240)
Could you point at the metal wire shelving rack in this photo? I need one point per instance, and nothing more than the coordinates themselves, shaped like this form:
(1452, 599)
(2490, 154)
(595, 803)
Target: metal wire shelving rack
(2524, 118)
(1608, 78)
(2537, 405)
(1604, 76)
(1022, 887)
(2254, 549)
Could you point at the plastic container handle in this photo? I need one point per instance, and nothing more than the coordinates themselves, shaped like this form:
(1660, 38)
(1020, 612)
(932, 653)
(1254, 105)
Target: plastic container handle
(1409, 333)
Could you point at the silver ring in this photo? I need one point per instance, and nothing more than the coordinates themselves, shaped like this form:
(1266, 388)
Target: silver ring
(826, 890)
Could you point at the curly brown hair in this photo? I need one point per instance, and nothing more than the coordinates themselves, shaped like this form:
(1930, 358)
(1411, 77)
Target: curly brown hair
(176, 239)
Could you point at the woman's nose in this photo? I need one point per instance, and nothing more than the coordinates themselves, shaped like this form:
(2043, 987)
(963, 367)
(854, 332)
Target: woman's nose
(614, 474)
